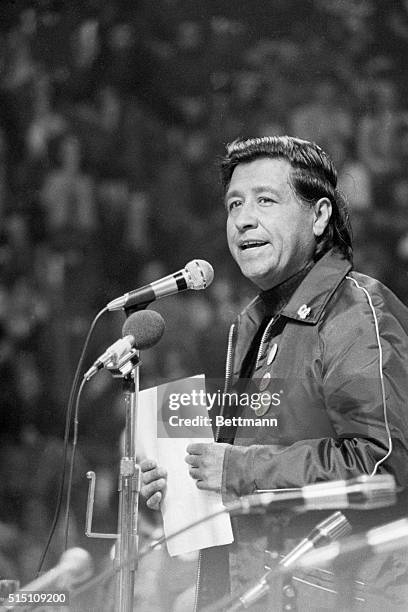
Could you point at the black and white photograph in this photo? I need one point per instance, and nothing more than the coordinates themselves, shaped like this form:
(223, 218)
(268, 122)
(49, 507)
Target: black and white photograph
(204, 305)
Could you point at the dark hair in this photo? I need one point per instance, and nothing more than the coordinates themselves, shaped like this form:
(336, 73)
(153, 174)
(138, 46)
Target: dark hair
(313, 176)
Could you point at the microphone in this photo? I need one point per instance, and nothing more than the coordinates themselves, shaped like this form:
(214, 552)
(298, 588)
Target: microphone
(140, 331)
(197, 274)
(331, 528)
(387, 538)
(75, 566)
(362, 493)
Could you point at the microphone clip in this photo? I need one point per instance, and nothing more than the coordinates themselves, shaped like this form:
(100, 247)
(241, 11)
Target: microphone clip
(129, 310)
(125, 365)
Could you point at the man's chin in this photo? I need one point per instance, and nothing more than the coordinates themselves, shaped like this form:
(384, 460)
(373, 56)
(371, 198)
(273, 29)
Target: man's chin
(262, 280)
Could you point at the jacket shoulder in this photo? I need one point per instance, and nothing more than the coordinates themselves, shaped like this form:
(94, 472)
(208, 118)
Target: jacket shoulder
(381, 295)
(359, 297)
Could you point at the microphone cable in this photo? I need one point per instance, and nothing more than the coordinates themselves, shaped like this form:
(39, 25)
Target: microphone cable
(66, 440)
(71, 464)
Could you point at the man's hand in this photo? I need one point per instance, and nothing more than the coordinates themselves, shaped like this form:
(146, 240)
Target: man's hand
(154, 483)
(206, 462)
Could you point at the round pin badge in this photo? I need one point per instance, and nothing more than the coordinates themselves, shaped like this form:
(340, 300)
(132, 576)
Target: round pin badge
(272, 353)
(265, 404)
(265, 380)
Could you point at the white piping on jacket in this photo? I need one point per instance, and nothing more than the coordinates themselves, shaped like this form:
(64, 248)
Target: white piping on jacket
(387, 427)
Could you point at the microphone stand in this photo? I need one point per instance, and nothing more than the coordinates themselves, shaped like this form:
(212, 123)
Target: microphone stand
(126, 546)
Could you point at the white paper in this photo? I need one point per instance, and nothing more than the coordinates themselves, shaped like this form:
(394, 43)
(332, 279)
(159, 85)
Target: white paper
(183, 503)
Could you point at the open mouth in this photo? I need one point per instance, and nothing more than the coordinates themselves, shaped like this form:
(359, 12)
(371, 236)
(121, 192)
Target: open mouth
(251, 244)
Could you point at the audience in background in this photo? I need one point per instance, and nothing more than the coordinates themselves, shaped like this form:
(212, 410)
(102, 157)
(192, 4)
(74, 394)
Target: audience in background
(109, 115)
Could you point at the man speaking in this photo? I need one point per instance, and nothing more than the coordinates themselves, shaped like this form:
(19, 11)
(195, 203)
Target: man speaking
(336, 340)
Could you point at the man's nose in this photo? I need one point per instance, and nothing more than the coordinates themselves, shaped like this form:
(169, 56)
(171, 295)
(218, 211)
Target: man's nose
(246, 217)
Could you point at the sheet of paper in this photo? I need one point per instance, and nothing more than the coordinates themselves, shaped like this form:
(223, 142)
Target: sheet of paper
(184, 504)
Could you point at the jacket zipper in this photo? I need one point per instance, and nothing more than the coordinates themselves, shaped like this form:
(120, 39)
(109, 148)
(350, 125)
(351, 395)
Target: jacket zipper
(228, 361)
(263, 341)
(228, 368)
(197, 582)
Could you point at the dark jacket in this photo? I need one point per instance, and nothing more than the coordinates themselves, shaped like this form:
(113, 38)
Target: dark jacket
(340, 366)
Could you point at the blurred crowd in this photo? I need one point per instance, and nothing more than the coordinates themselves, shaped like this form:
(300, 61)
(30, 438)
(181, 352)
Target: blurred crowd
(112, 116)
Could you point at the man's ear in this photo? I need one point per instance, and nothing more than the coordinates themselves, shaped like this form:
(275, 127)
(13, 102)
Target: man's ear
(322, 214)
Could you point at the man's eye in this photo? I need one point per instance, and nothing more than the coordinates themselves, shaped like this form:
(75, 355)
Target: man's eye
(265, 200)
(233, 204)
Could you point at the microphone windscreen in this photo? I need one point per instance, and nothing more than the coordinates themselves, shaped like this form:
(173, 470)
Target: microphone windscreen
(200, 273)
(146, 326)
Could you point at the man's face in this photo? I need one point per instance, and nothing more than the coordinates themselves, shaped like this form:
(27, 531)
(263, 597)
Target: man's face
(270, 232)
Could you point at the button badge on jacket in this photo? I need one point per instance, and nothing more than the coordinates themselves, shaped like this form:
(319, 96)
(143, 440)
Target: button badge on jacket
(265, 402)
(264, 383)
(265, 380)
(303, 312)
(272, 353)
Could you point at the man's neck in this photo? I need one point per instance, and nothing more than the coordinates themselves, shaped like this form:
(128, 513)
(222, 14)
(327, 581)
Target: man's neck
(275, 298)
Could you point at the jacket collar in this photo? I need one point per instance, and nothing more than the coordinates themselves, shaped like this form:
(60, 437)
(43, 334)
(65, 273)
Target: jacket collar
(310, 298)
